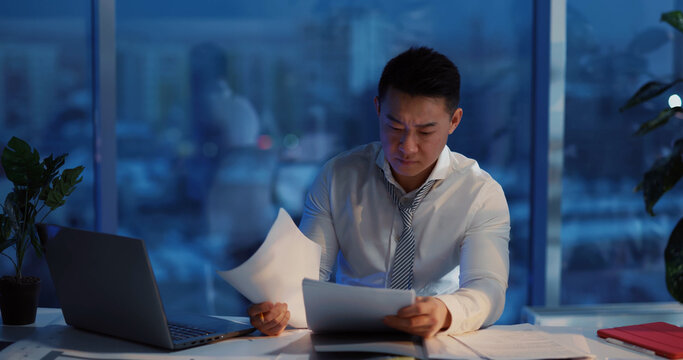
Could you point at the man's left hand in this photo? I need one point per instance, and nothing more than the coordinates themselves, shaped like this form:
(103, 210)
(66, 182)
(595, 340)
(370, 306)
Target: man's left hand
(425, 318)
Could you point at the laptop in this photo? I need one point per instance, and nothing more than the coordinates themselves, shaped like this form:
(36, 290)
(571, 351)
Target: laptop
(105, 284)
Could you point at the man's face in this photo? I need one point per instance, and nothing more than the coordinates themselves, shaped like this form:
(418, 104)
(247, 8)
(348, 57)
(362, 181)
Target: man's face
(413, 131)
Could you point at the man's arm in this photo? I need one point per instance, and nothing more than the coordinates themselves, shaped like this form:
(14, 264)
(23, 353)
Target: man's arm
(316, 222)
(484, 266)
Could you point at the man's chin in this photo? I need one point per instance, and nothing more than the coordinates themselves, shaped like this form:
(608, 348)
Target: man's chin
(407, 170)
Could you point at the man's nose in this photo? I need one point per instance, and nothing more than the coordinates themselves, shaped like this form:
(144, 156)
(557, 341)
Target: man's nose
(408, 143)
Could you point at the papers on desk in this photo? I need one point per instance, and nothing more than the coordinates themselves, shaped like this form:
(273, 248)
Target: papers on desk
(509, 343)
(333, 307)
(382, 343)
(274, 273)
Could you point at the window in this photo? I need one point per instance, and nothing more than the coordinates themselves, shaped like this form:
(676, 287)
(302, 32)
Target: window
(612, 251)
(46, 99)
(227, 110)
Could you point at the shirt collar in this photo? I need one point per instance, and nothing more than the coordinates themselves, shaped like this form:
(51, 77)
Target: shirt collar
(440, 171)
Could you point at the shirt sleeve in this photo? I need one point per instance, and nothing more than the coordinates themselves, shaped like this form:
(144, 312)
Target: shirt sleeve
(316, 221)
(484, 266)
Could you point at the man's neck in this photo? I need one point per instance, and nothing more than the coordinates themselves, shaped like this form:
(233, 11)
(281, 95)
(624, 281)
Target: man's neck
(410, 183)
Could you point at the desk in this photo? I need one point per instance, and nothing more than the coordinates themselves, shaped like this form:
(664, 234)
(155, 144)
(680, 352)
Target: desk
(604, 315)
(50, 339)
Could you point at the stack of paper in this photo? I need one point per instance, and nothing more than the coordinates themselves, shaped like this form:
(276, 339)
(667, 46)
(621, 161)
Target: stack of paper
(514, 342)
(274, 273)
(333, 307)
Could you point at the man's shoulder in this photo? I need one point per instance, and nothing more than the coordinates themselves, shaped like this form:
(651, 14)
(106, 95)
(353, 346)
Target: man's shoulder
(468, 169)
(359, 156)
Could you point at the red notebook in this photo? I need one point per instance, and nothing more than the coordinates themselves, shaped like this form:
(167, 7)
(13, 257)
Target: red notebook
(663, 338)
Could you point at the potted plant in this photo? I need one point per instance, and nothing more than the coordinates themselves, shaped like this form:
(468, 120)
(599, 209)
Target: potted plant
(38, 189)
(666, 171)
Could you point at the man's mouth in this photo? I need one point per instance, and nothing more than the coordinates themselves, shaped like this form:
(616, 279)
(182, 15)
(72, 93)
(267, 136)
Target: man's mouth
(406, 162)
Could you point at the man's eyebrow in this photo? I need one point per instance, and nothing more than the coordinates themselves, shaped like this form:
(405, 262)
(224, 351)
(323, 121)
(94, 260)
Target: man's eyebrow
(393, 119)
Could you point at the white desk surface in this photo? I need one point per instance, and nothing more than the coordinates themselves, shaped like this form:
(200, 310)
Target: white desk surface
(50, 339)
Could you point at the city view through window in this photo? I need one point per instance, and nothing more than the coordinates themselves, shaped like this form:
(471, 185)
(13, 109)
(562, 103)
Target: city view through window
(226, 112)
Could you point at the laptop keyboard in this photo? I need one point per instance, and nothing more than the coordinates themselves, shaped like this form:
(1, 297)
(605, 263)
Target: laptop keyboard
(181, 332)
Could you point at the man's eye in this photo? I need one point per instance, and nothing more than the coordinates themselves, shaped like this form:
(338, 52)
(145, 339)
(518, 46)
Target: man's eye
(426, 132)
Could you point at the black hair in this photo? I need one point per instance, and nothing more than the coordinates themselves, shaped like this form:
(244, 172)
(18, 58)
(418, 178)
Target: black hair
(422, 72)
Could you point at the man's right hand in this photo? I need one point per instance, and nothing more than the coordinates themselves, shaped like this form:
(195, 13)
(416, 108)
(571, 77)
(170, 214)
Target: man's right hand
(269, 318)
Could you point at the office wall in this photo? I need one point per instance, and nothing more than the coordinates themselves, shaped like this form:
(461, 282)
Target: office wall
(612, 250)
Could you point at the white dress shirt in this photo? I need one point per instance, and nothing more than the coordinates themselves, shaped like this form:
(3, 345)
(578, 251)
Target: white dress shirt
(462, 230)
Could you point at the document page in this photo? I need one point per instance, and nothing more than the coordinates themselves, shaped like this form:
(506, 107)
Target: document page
(335, 307)
(499, 343)
(445, 347)
(274, 273)
(381, 343)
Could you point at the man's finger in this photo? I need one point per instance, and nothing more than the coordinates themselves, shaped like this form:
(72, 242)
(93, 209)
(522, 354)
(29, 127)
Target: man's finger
(411, 324)
(409, 311)
(277, 327)
(421, 307)
(256, 309)
(423, 331)
(275, 316)
(276, 312)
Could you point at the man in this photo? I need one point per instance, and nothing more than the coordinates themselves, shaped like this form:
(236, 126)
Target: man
(406, 212)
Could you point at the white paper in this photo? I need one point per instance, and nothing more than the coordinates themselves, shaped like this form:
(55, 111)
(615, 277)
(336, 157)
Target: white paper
(518, 342)
(334, 307)
(445, 347)
(570, 337)
(385, 343)
(274, 273)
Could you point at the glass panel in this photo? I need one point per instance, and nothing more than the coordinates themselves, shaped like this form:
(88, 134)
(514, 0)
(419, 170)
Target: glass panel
(612, 249)
(46, 99)
(227, 110)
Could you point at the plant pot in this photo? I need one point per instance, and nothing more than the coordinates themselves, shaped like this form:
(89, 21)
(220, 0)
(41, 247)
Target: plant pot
(19, 299)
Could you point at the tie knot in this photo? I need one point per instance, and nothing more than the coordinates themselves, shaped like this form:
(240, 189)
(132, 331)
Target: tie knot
(405, 203)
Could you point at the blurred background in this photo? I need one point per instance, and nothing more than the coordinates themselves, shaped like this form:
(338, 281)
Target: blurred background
(226, 111)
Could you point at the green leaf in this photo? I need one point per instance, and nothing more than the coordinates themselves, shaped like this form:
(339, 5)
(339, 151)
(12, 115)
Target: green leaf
(673, 258)
(51, 171)
(51, 167)
(674, 18)
(16, 206)
(5, 233)
(647, 92)
(35, 240)
(63, 186)
(11, 209)
(4, 245)
(21, 164)
(662, 176)
(661, 119)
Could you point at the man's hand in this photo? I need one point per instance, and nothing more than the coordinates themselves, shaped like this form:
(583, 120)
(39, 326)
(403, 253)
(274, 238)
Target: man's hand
(425, 318)
(270, 319)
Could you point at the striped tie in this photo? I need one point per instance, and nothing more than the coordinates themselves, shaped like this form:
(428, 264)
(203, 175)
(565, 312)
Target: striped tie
(402, 268)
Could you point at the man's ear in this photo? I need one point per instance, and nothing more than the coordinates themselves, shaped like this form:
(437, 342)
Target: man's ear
(377, 105)
(455, 120)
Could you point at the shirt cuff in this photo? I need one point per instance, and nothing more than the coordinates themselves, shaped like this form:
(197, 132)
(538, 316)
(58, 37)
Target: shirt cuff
(469, 310)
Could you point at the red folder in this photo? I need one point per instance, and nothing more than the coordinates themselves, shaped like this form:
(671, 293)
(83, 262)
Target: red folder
(663, 338)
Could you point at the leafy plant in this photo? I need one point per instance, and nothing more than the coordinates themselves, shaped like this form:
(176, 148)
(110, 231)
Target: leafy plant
(666, 171)
(38, 189)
